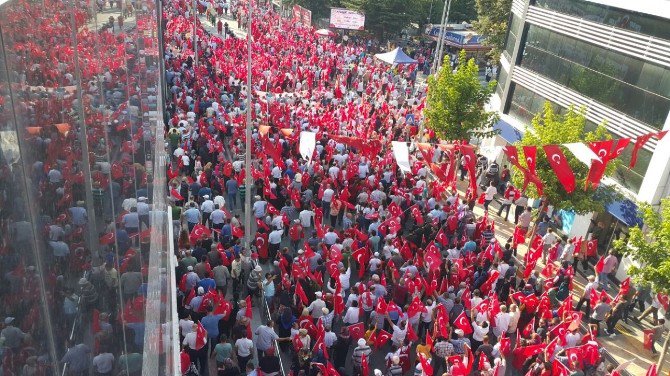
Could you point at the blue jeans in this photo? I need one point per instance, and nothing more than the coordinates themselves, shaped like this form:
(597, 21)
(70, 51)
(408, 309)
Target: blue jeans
(604, 280)
(232, 200)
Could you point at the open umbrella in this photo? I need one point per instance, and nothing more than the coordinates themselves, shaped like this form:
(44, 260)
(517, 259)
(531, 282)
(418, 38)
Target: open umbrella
(325, 33)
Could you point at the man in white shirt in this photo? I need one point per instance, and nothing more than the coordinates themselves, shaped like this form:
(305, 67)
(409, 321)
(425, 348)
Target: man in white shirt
(244, 347)
(502, 322)
(547, 241)
(326, 199)
(330, 237)
(316, 307)
(490, 193)
(306, 218)
(207, 207)
(259, 207)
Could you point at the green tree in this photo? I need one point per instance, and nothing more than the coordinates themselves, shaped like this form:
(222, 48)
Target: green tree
(493, 16)
(384, 18)
(460, 11)
(550, 128)
(649, 248)
(455, 102)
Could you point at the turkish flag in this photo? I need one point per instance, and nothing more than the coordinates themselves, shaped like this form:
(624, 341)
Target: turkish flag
(532, 350)
(261, 244)
(200, 337)
(175, 194)
(559, 369)
(331, 370)
(394, 209)
(463, 323)
(365, 368)
(411, 334)
(382, 307)
(663, 299)
(382, 337)
(483, 359)
(591, 247)
(237, 232)
(248, 311)
(199, 232)
(530, 152)
(320, 345)
(549, 270)
(561, 168)
(530, 267)
(297, 343)
(356, 331)
(505, 344)
(600, 265)
(519, 237)
(603, 151)
(529, 329)
(261, 224)
(108, 238)
(361, 255)
(425, 365)
(416, 213)
(433, 257)
(301, 293)
(639, 143)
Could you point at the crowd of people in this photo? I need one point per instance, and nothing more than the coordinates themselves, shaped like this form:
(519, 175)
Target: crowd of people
(364, 269)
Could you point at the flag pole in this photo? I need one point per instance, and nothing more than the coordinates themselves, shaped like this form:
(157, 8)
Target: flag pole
(247, 146)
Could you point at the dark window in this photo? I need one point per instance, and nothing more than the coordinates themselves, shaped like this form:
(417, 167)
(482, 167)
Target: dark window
(637, 88)
(607, 15)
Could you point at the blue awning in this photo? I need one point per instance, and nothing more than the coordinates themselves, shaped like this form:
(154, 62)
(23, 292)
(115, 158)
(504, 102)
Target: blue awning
(625, 211)
(507, 131)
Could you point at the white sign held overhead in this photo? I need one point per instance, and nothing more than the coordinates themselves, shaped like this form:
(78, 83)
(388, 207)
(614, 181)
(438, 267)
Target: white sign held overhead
(307, 145)
(401, 154)
(582, 152)
(341, 18)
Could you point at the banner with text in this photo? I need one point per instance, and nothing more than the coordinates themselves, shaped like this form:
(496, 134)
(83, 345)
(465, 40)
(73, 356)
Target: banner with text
(346, 19)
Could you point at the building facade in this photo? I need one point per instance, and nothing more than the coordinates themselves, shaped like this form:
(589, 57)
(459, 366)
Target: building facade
(81, 145)
(610, 56)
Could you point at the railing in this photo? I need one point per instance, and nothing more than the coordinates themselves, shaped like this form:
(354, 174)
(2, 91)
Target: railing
(268, 316)
(176, 361)
(74, 325)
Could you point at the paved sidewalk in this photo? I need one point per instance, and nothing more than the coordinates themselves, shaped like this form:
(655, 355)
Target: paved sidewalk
(624, 346)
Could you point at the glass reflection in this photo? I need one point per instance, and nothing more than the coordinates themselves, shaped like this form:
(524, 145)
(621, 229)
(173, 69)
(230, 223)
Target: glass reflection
(82, 189)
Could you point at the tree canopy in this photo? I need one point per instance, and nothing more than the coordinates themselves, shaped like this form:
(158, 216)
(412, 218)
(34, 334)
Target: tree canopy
(649, 247)
(550, 128)
(493, 16)
(455, 102)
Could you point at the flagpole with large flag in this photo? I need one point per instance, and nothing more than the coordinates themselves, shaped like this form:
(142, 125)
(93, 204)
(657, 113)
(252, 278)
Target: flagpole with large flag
(247, 146)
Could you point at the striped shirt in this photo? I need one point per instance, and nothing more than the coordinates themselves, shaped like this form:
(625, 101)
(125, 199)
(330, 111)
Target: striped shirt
(459, 345)
(358, 354)
(443, 349)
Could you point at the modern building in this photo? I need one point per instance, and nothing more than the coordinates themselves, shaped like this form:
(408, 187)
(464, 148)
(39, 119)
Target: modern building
(81, 143)
(610, 56)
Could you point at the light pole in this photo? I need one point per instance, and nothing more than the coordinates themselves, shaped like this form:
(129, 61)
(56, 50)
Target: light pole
(195, 35)
(439, 48)
(247, 145)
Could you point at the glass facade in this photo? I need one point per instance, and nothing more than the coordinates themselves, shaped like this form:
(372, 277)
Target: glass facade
(637, 88)
(513, 32)
(83, 223)
(624, 19)
(525, 104)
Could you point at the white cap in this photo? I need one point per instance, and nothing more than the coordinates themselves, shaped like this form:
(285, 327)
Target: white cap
(258, 268)
(141, 198)
(325, 310)
(377, 372)
(318, 294)
(361, 342)
(189, 268)
(206, 197)
(459, 332)
(300, 251)
(376, 254)
(201, 290)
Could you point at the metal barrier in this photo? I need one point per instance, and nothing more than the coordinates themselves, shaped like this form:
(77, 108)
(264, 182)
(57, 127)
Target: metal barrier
(74, 324)
(268, 315)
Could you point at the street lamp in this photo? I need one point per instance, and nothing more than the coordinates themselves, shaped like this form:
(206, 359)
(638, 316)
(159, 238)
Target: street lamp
(439, 48)
(247, 145)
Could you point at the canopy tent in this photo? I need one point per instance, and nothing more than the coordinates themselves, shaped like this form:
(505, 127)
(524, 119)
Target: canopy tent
(325, 33)
(395, 57)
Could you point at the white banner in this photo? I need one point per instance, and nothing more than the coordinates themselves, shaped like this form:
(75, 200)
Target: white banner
(341, 18)
(582, 152)
(307, 145)
(401, 154)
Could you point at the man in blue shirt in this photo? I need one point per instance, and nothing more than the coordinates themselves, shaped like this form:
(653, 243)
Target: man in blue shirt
(231, 191)
(192, 216)
(207, 283)
(211, 325)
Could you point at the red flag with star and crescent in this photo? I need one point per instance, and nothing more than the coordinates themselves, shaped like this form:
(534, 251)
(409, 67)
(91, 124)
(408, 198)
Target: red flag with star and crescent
(463, 323)
(561, 168)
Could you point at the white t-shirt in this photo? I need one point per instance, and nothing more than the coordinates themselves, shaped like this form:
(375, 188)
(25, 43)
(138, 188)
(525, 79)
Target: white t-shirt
(244, 346)
(306, 218)
(490, 192)
(328, 195)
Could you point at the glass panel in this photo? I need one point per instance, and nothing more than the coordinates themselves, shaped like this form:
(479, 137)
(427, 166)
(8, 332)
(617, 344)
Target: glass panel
(624, 19)
(80, 137)
(603, 75)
